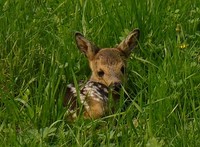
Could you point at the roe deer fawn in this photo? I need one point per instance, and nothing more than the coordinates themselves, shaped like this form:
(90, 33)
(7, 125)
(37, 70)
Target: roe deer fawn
(107, 66)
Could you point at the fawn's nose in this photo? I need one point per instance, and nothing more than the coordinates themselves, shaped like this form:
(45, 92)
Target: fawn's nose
(116, 85)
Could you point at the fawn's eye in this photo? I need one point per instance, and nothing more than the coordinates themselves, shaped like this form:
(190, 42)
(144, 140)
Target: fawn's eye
(100, 73)
(123, 69)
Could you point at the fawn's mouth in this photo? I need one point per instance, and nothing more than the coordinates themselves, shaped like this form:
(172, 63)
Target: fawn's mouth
(116, 87)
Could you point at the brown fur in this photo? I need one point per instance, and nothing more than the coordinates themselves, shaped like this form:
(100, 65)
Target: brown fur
(107, 66)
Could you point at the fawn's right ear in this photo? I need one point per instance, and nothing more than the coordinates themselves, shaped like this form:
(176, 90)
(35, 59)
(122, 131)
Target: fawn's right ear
(86, 46)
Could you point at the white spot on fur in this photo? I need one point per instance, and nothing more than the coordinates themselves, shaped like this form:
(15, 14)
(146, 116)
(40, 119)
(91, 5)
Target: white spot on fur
(74, 115)
(90, 90)
(105, 90)
(70, 85)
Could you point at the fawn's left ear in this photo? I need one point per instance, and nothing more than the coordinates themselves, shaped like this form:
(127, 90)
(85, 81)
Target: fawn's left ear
(88, 48)
(130, 42)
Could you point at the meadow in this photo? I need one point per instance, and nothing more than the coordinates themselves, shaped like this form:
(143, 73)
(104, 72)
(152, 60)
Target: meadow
(160, 103)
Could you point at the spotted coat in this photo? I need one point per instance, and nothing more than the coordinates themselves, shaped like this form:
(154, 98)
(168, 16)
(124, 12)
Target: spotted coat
(93, 98)
(107, 66)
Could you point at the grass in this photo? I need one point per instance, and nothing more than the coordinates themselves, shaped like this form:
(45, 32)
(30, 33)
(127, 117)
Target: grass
(38, 58)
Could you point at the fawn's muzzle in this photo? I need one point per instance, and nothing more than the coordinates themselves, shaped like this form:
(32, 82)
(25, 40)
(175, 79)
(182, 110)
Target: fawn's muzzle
(116, 86)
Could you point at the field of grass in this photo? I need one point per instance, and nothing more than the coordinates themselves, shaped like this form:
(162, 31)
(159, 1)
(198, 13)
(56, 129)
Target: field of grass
(38, 58)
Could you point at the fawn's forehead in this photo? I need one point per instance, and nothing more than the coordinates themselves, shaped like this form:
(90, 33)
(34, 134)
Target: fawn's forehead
(109, 55)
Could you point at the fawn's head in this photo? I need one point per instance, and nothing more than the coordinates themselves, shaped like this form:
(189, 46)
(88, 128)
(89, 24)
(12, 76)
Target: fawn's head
(108, 64)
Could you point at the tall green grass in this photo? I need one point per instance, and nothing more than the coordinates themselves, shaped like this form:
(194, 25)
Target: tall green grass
(38, 58)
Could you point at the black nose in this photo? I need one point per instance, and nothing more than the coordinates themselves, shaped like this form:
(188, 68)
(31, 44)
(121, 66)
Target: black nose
(117, 86)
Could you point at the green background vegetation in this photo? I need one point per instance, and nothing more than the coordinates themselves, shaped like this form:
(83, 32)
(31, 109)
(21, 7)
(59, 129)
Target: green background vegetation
(38, 58)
